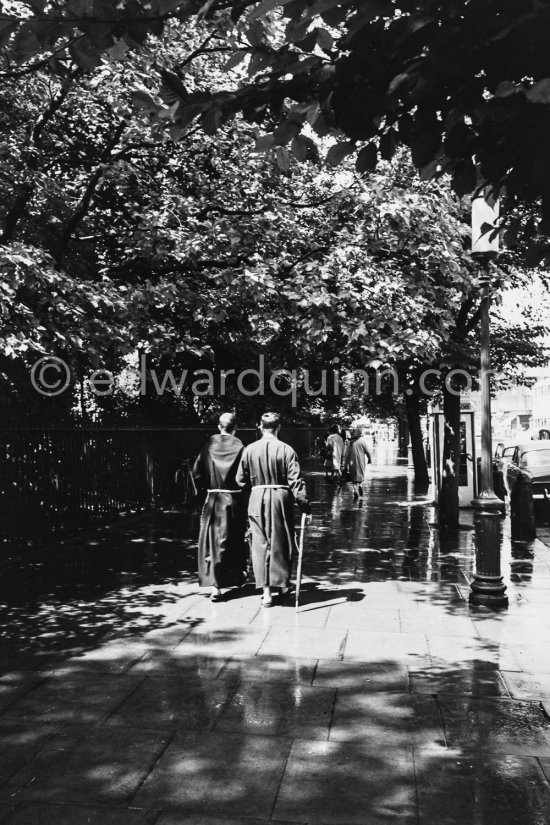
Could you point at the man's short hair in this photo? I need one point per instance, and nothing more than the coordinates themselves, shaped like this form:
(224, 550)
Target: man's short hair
(270, 421)
(227, 421)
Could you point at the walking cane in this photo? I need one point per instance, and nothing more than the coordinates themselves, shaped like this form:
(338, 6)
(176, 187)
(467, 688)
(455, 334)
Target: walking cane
(300, 558)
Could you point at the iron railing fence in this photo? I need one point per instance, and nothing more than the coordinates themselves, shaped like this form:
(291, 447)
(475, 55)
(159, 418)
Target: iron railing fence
(55, 481)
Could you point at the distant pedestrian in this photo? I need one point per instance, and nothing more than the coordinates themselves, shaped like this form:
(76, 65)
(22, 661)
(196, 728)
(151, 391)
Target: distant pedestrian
(222, 552)
(357, 459)
(270, 469)
(335, 452)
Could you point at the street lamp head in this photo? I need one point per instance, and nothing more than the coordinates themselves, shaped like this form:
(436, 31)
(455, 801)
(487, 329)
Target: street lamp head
(485, 227)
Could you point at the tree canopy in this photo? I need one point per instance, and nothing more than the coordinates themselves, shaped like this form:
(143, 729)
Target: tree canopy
(463, 83)
(159, 194)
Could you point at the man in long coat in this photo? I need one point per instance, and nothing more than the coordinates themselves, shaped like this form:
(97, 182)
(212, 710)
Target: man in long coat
(222, 545)
(270, 469)
(357, 459)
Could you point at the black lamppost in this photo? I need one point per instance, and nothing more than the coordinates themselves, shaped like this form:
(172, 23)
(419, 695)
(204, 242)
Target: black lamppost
(487, 587)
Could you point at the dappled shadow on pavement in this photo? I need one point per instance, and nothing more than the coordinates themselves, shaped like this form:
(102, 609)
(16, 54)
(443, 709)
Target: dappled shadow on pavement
(127, 697)
(212, 725)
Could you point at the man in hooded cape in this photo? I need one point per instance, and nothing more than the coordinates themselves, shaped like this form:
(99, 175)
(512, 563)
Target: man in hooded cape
(222, 554)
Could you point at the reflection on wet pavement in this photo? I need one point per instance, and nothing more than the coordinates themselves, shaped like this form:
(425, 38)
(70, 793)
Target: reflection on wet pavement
(127, 697)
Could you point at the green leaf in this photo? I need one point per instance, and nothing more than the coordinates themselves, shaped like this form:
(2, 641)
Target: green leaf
(284, 133)
(235, 59)
(264, 143)
(266, 6)
(37, 5)
(540, 92)
(388, 144)
(255, 34)
(367, 158)
(211, 120)
(339, 151)
(299, 147)
(325, 40)
(283, 159)
(172, 89)
(143, 100)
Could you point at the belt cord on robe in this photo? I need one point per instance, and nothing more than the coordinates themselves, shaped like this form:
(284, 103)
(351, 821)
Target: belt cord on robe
(271, 487)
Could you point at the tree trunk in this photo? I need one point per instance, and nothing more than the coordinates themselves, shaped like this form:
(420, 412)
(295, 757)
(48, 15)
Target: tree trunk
(421, 477)
(402, 437)
(448, 496)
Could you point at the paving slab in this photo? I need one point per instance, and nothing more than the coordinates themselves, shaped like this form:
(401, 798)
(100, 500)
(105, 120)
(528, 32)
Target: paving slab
(347, 784)
(223, 642)
(167, 702)
(16, 684)
(189, 667)
(234, 611)
(286, 616)
(362, 677)
(38, 813)
(532, 686)
(460, 651)
(425, 618)
(74, 699)
(280, 710)
(470, 679)
(532, 658)
(274, 669)
(20, 742)
(513, 629)
(367, 617)
(304, 642)
(224, 773)
(91, 764)
(495, 790)
(404, 648)
(386, 720)
(175, 818)
(503, 726)
(9, 801)
(113, 657)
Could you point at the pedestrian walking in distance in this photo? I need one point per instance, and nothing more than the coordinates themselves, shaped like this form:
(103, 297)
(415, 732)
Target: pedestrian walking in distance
(222, 545)
(357, 459)
(270, 469)
(335, 451)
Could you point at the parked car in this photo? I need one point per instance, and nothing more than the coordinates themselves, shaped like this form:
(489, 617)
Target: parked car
(503, 454)
(533, 458)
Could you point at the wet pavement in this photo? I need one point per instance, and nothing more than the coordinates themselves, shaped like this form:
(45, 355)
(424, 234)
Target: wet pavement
(126, 697)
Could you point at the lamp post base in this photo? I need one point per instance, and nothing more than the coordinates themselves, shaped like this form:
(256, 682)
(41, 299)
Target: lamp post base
(488, 590)
(487, 587)
(489, 502)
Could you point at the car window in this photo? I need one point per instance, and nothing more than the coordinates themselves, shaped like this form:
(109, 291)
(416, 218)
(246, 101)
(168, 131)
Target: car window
(535, 458)
(508, 452)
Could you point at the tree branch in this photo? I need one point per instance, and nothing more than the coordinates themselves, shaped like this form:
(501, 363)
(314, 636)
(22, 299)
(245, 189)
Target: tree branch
(85, 201)
(41, 63)
(53, 108)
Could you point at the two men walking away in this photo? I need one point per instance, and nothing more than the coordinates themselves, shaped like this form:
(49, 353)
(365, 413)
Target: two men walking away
(226, 472)
(357, 458)
(222, 546)
(270, 469)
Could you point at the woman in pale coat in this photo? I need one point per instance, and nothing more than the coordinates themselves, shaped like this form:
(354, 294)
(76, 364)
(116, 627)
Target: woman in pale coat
(335, 450)
(357, 459)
